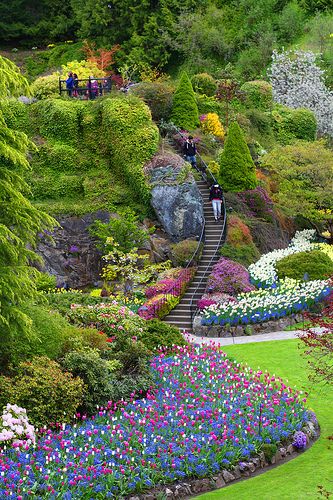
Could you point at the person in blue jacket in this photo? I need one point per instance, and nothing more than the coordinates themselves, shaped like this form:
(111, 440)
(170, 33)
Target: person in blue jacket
(70, 84)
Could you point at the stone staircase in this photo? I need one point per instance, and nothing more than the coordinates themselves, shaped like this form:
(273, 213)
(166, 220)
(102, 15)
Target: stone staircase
(180, 316)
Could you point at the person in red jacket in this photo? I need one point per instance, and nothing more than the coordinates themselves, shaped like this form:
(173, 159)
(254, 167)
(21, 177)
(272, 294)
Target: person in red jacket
(215, 196)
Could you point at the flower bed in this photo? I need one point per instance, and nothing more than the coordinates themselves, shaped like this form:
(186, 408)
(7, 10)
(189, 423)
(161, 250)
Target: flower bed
(289, 296)
(166, 294)
(207, 414)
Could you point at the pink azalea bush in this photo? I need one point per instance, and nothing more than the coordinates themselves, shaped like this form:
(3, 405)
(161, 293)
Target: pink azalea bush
(229, 277)
(15, 428)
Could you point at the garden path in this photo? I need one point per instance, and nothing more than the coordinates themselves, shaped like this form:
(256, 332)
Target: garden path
(281, 335)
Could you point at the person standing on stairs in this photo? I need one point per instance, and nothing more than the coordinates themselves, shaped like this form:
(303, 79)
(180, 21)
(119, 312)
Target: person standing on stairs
(190, 151)
(215, 196)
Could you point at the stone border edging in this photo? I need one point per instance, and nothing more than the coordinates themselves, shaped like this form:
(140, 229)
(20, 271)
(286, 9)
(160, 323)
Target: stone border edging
(191, 487)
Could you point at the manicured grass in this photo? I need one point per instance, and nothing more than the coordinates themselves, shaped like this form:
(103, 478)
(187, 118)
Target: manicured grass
(299, 478)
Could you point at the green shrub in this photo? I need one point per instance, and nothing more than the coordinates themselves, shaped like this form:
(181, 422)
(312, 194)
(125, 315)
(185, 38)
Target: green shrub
(56, 186)
(260, 120)
(45, 282)
(16, 114)
(158, 96)
(159, 334)
(184, 107)
(47, 393)
(210, 105)
(58, 119)
(237, 170)
(80, 339)
(269, 451)
(131, 139)
(244, 254)
(183, 251)
(205, 84)
(313, 265)
(46, 87)
(61, 301)
(59, 157)
(96, 374)
(258, 95)
(290, 124)
(91, 126)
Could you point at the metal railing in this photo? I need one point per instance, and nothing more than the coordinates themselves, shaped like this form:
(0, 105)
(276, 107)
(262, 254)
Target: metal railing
(89, 90)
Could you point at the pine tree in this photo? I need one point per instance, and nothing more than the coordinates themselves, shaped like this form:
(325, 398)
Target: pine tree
(20, 222)
(237, 170)
(184, 107)
(12, 82)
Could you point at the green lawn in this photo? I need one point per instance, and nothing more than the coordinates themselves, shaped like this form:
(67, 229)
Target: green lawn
(299, 478)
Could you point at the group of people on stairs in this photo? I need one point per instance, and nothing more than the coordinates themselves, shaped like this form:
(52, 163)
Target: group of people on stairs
(216, 193)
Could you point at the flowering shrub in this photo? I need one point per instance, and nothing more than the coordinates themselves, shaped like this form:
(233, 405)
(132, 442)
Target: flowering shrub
(15, 428)
(229, 277)
(239, 245)
(214, 298)
(263, 272)
(203, 303)
(299, 440)
(259, 203)
(289, 296)
(166, 293)
(207, 414)
(210, 124)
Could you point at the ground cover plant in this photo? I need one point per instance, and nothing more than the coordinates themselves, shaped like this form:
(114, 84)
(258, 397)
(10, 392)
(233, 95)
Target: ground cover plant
(176, 431)
(299, 478)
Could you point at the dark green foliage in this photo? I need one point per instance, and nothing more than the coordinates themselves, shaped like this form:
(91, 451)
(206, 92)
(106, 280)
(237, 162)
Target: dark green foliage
(47, 393)
(58, 119)
(51, 185)
(61, 301)
(237, 170)
(158, 96)
(312, 6)
(184, 107)
(210, 105)
(123, 229)
(269, 451)
(158, 334)
(260, 121)
(291, 124)
(204, 83)
(258, 95)
(244, 254)
(45, 61)
(96, 374)
(315, 265)
(131, 139)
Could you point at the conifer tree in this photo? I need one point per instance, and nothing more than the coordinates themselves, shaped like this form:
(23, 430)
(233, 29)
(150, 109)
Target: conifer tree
(20, 223)
(12, 82)
(237, 170)
(184, 107)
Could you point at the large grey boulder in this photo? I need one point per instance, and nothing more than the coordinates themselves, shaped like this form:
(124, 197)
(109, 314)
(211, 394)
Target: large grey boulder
(177, 202)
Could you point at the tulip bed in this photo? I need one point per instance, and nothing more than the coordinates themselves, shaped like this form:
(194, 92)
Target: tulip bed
(207, 413)
(288, 297)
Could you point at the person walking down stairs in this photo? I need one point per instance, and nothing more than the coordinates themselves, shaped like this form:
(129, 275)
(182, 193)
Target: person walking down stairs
(216, 196)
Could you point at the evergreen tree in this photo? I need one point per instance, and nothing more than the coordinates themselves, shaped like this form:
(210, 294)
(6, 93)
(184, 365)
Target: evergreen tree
(237, 170)
(12, 82)
(184, 106)
(20, 223)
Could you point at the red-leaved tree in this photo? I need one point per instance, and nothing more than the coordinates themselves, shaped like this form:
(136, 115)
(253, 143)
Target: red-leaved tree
(103, 58)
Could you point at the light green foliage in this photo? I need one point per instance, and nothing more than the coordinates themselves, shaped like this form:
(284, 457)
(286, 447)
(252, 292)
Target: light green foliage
(46, 87)
(158, 96)
(83, 69)
(20, 222)
(290, 124)
(12, 82)
(303, 173)
(313, 265)
(184, 107)
(204, 84)
(258, 95)
(123, 229)
(237, 170)
(15, 114)
(159, 334)
(47, 393)
(210, 105)
(59, 157)
(58, 119)
(131, 139)
(45, 282)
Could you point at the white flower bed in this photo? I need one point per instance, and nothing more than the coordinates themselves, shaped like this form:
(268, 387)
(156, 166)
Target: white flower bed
(263, 272)
(289, 296)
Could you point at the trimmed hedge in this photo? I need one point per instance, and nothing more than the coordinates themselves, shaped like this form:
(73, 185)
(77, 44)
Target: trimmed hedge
(58, 119)
(185, 112)
(313, 265)
(16, 114)
(258, 95)
(204, 84)
(290, 124)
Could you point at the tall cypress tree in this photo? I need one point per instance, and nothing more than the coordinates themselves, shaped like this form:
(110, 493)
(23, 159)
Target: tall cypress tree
(237, 169)
(20, 223)
(185, 112)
